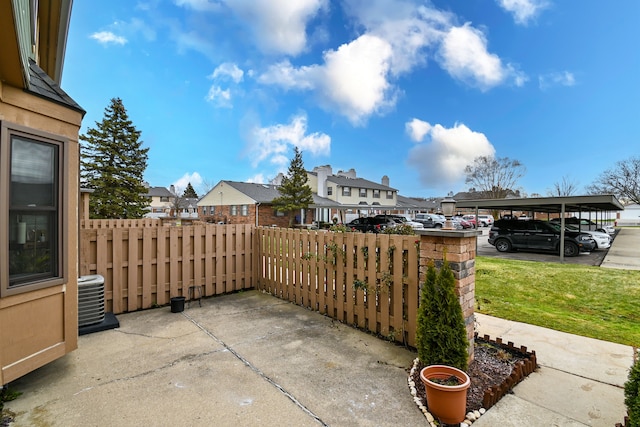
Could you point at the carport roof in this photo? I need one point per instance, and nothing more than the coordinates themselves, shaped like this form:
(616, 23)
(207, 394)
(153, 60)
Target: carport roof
(604, 202)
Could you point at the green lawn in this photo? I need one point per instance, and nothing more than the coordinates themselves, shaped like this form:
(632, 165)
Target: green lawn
(583, 300)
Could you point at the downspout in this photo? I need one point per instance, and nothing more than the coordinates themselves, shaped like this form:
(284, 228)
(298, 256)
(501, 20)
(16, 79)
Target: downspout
(257, 213)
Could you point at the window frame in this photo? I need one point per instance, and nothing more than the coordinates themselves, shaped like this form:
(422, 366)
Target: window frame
(233, 210)
(61, 246)
(244, 210)
(346, 191)
(329, 191)
(362, 193)
(376, 194)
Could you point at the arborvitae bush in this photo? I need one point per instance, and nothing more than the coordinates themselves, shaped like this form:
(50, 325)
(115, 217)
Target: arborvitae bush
(441, 336)
(632, 394)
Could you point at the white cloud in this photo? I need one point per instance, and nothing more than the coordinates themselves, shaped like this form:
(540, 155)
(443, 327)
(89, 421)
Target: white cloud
(181, 183)
(257, 179)
(274, 142)
(417, 129)
(356, 80)
(563, 78)
(107, 37)
(523, 11)
(279, 26)
(228, 69)
(440, 161)
(463, 54)
(352, 80)
(220, 97)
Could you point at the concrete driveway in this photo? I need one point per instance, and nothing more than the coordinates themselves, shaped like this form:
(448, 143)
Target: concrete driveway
(244, 359)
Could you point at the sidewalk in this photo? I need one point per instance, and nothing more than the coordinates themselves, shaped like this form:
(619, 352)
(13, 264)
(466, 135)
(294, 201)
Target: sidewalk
(579, 383)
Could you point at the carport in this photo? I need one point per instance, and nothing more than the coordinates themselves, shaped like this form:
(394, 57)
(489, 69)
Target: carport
(598, 205)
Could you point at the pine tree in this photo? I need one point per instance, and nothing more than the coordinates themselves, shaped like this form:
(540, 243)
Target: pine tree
(189, 192)
(295, 193)
(113, 164)
(441, 337)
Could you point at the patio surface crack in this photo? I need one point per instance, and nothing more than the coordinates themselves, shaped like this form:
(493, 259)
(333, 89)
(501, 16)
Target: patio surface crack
(257, 371)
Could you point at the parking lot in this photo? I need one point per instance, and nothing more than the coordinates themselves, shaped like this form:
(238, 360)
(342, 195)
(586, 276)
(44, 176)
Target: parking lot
(587, 258)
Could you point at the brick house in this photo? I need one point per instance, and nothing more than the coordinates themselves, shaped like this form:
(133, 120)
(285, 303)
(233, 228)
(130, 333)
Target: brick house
(342, 195)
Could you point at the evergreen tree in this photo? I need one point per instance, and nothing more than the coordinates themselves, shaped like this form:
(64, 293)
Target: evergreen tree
(441, 337)
(295, 193)
(632, 394)
(112, 165)
(189, 192)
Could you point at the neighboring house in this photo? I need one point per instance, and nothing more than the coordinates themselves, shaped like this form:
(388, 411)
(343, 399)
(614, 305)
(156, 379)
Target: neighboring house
(161, 204)
(232, 202)
(342, 196)
(630, 215)
(187, 208)
(39, 189)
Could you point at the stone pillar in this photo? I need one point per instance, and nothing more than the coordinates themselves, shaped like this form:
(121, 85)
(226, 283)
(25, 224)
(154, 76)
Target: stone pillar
(459, 247)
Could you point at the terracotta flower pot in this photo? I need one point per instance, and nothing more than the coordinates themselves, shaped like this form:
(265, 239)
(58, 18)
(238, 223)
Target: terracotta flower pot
(446, 402)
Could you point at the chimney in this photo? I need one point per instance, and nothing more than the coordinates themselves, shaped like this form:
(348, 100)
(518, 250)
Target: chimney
(323, 173)
(385, 181)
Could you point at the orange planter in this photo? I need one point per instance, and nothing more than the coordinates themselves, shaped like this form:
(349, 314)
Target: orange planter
(448, 403)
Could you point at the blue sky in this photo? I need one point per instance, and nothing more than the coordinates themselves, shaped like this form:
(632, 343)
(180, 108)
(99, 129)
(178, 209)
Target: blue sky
(415, 90)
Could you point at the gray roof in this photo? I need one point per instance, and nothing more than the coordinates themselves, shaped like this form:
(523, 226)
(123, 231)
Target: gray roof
(262, 193)
(42, 85)
(158, 192)
(344, 181)
(605, 202)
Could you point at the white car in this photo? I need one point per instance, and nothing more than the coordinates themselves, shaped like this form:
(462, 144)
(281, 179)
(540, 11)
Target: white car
(603, 240)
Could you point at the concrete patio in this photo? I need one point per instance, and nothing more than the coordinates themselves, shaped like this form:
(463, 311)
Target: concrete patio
(243, 359)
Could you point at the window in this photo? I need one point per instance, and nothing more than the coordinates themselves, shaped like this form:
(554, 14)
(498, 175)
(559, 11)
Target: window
(346, 191)
(279, 213)
(376, 194)
(212, 210)
(363, 192)
(233, 210)
(389, 194)
(244, 210)
(329, 191)
(31, 164)
(164, 199)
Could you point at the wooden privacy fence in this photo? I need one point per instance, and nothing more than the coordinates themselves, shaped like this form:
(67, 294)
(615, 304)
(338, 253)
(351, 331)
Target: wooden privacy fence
(366, 280)
(119, 223)
(145, 265)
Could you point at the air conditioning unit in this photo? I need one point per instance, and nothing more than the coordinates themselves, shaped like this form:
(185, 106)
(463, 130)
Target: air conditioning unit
(90, 300)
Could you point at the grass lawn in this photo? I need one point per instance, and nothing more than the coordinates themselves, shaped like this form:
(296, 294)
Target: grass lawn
(590, 301)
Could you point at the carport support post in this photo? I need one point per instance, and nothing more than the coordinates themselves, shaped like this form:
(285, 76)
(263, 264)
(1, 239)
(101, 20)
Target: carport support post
(459, 247)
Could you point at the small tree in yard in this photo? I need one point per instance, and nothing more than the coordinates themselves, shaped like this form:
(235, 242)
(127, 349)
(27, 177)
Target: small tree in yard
(189, 192)
(295, 193)
(113, 164)
(632, 394)
(441, 336)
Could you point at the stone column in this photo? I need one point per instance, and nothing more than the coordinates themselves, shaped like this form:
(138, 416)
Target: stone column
(459, 247)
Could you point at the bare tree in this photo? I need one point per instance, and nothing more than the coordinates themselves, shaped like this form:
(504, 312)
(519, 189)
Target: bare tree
(623, 181)
(494, 177)
(566, 187)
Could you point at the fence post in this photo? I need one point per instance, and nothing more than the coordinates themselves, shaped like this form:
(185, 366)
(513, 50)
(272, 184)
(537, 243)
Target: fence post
(460, 248)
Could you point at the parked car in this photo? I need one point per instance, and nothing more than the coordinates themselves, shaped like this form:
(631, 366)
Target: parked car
(485, 220)
(401, 219)
(471, 219)
(463, 224)
(370, 224)
(587, 225)
(429, 220)
(603, 240)
(507, 235)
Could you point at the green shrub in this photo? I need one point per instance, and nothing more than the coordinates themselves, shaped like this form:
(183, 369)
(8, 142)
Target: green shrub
(441, 336)
(405, 229)
(632, 394)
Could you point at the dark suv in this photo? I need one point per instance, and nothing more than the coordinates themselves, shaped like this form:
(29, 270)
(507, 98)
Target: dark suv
(511, 234)
(371, 224)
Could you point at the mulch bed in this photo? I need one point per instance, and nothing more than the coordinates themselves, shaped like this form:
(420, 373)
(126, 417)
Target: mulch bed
(494, 371)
